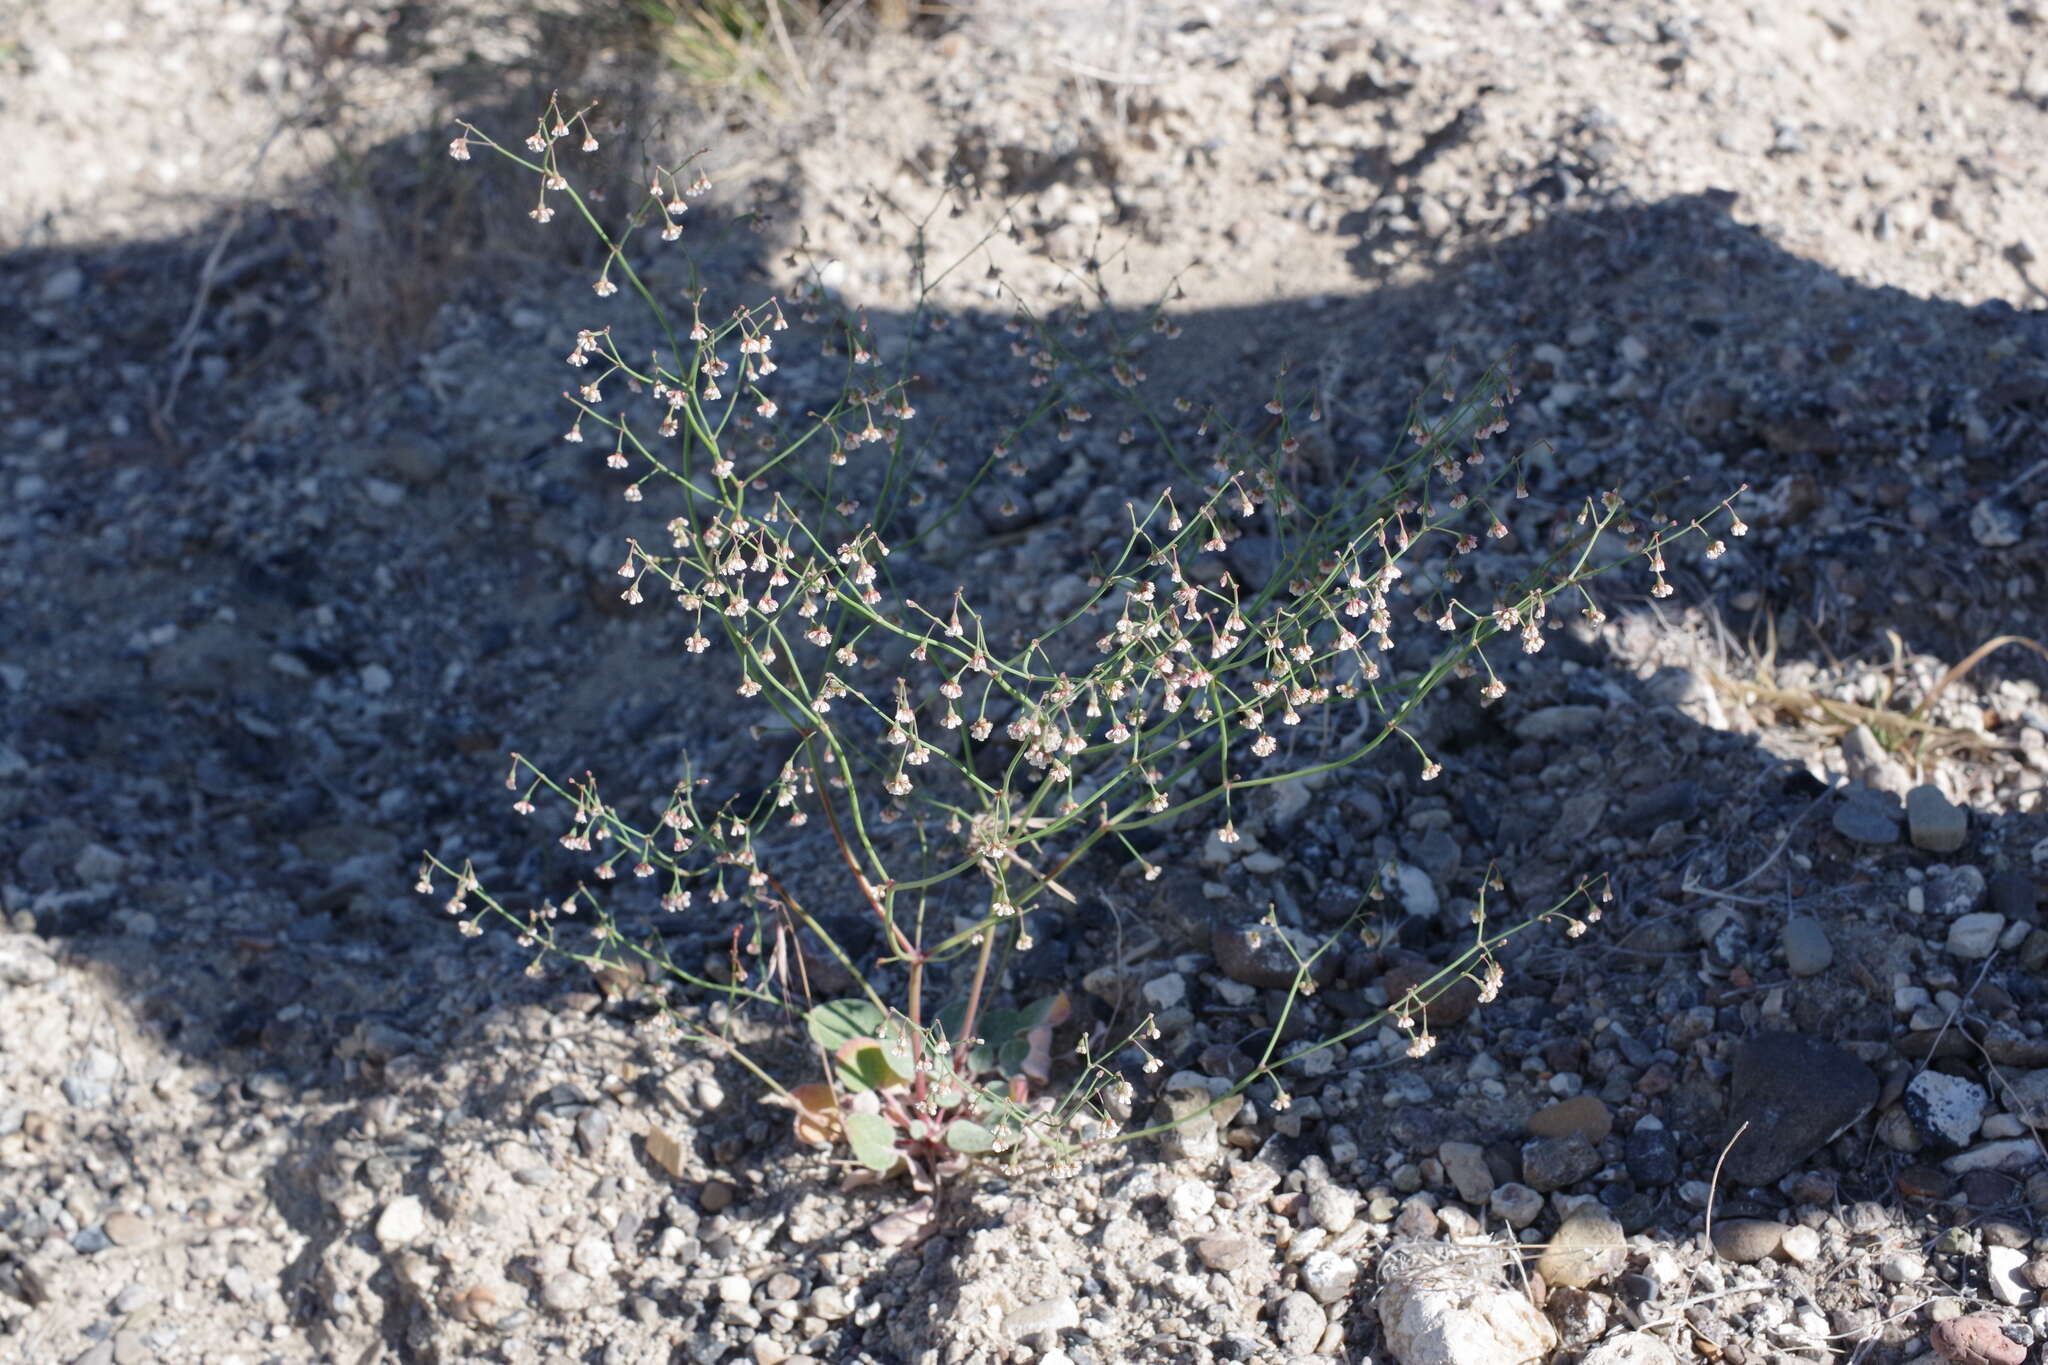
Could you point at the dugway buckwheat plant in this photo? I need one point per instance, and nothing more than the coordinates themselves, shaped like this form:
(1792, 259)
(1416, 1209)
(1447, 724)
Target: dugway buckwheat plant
(957, 766)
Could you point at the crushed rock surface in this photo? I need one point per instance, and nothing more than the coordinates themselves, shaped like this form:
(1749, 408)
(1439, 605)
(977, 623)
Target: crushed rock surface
(259, 1101)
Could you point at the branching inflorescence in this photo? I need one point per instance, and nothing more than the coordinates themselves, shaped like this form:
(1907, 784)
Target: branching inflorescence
(934, 746)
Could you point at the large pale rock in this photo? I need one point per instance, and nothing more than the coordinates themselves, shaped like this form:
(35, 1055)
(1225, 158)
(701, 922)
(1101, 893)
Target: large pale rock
(1429, 1322)
(1631, 1348)
(1588, 1247)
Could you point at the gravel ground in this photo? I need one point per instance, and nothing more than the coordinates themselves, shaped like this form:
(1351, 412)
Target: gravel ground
(286, 571)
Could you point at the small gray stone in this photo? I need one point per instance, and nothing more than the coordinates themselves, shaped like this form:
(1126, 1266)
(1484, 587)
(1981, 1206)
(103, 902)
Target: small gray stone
(1952, 891)
(1328, 1276)
(126, 1229)
(1051, 1316)
(1746, 1240)
(1298, 1323)
(2002, 1270)
(1861, 818)
(98, 864)
(1997, 524)
(1949, 1109)
(1553, 1163)
(1938, 825)
(62, 285)
(1193, 1135)
(1975, 937)
(1631, 1348)
(90, 1083)
(1588, 1247)
(1807, 950)
(401, 1223)
(2011, 894)
(1651, 1154)
(1800, 1244)
(1516, 1204)
(2005, 1154)
(1332, 1208)
(1902, 1267)
(1165, 991)
(1560, 722)
(2026, 1097)
(1224, 1251)
(1465, 1166)
(567, 1292)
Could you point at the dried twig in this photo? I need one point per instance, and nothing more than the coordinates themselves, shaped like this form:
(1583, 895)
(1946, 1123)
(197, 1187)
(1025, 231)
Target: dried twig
(1714, 1189)
(1692, 888)
(1969, 662)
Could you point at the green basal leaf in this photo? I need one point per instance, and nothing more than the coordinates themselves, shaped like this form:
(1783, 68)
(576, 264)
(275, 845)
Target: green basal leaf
(863, 1064)
(838, 1022)
(1052, 1010)
(965, 1135)
(896, 1046)
(1012, 1056)
(874, 1141)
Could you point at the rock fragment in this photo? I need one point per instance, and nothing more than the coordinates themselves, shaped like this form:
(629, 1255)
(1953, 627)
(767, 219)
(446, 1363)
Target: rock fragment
(1462, 1324)
(1795, 1093)
(1935, 823)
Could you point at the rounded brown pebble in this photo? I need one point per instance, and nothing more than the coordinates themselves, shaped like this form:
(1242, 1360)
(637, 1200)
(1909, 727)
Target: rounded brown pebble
(1448, 1001)
(715, 1197)
(1925, 1182)
(125, 1229)
(1224, 1251)
(1585, 1115)
(1975, 1339)
(1747, 1240)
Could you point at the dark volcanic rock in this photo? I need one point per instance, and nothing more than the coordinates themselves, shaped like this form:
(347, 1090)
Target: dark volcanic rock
(1795, 1093)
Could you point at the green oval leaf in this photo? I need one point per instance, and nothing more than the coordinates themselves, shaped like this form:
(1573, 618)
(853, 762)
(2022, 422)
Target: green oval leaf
(896, 1046)
(874, 1141)
(969, 1137)
(1053, 1010)
(864, 1064)
(1012, 1056)
(838, 1022)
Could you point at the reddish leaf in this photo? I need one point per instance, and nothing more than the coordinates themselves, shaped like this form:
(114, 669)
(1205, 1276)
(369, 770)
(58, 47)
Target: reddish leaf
(817, 1114)
(906, 1226)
